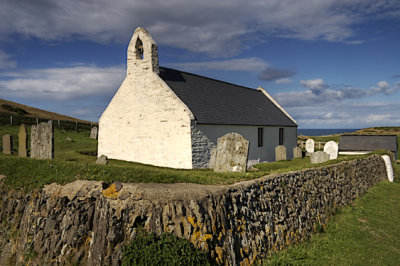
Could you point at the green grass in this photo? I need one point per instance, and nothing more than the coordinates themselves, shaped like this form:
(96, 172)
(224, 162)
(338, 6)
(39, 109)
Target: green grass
(70, 164)
(365, 233)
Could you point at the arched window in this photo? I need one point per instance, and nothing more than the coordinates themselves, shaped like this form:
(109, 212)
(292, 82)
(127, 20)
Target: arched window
(139, 49)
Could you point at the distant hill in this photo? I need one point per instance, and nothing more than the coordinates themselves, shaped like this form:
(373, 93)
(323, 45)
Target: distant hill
(20, 110)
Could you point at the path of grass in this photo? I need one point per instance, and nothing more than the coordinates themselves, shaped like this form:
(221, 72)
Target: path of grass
(366, 233)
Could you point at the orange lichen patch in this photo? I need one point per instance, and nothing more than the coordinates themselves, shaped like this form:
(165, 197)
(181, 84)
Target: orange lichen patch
(198, 238)
(220, 254)
(245, 262)
(110, 192)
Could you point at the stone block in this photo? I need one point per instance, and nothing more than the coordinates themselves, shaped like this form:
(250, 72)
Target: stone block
(42, 141)
(319, 157)
(332, 149)
(102, 160)
(232, 153)
(22, 141)
(310, 145)
(297, 152)
(280, 153)
(93, 132)
(7, 144)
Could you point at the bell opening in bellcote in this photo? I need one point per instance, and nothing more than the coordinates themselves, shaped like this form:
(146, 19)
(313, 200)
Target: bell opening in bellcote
(139, 49)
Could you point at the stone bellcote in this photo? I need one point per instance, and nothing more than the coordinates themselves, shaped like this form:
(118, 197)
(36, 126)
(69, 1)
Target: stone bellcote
(142, 53)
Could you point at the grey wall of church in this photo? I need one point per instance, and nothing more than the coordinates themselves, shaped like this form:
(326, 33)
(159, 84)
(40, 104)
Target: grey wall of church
(201, 147)
(204, 138)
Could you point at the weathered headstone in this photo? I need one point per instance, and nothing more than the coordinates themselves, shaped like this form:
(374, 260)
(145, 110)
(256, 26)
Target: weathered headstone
(42, 141)
(232, 152)
(319, 157)
(280, 153)
(297, 152)
(22, 141)
(213, 156)
(310, 146)
(102, 160)
(7, 144)
(93, 132)
(332, 149)
(389, 168)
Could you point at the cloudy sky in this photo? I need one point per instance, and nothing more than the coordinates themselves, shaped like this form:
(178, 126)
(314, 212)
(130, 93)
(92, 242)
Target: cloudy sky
(330, 63)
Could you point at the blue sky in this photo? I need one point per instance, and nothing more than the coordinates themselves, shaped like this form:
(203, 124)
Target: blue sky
(329, 63)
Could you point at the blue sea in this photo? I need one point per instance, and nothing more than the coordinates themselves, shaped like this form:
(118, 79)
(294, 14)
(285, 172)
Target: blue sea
(322, 132)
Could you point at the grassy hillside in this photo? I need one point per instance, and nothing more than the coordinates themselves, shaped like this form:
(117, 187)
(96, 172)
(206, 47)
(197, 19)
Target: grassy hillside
(8, 108)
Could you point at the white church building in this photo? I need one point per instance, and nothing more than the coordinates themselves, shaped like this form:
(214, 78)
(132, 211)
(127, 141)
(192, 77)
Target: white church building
(171, 118)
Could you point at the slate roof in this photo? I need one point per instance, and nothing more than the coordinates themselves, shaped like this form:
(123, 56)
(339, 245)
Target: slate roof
(368, 143)
(217, 102)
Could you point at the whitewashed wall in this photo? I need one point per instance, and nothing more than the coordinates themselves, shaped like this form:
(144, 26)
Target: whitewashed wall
(146, 122)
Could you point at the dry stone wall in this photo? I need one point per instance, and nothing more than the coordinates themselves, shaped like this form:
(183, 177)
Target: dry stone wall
(89, 222)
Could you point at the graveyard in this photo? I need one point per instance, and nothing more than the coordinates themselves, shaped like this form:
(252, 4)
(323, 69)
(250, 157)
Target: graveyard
(75, 158)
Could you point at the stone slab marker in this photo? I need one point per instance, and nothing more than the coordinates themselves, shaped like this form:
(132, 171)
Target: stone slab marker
(42, 141)
(332, 149)
(310, 145)
(389, 168)
(22, 141)
(93, 132)
(280, 153)
(297, 153)
(232, 153)
(319, 157)
(7, 144)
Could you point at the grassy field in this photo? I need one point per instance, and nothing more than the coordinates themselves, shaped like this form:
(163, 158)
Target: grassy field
(365, 233)
(74, 160)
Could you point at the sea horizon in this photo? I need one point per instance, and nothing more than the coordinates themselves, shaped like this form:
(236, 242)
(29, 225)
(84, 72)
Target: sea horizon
(324, 131)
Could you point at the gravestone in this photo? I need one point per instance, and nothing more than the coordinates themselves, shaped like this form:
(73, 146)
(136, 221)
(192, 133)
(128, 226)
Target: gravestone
(280, 153)
(332, 149)
(319, 157)
(297, 152)
(7, 144)
(22, 141)
(102, 160)
(232, 152)
(211, 163)
(93, 132)
(389, 168)
(42, 141)
(310, 146)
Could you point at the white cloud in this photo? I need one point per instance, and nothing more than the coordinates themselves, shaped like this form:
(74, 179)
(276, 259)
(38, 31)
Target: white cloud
(346, 115)
(313, 83)
(319, 93)
(221, 29)
(252, 64)
(62, 83)
(283, 81)
(6, 62)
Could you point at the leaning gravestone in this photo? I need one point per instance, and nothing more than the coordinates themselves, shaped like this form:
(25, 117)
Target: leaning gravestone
(280, 153)
(232, 152)
(310, 146)
(389, 168)
(7, 144)
(93, 132)
(332, 149)
(42, 141)
(22, 141)
(297, 152)
(319, 157)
